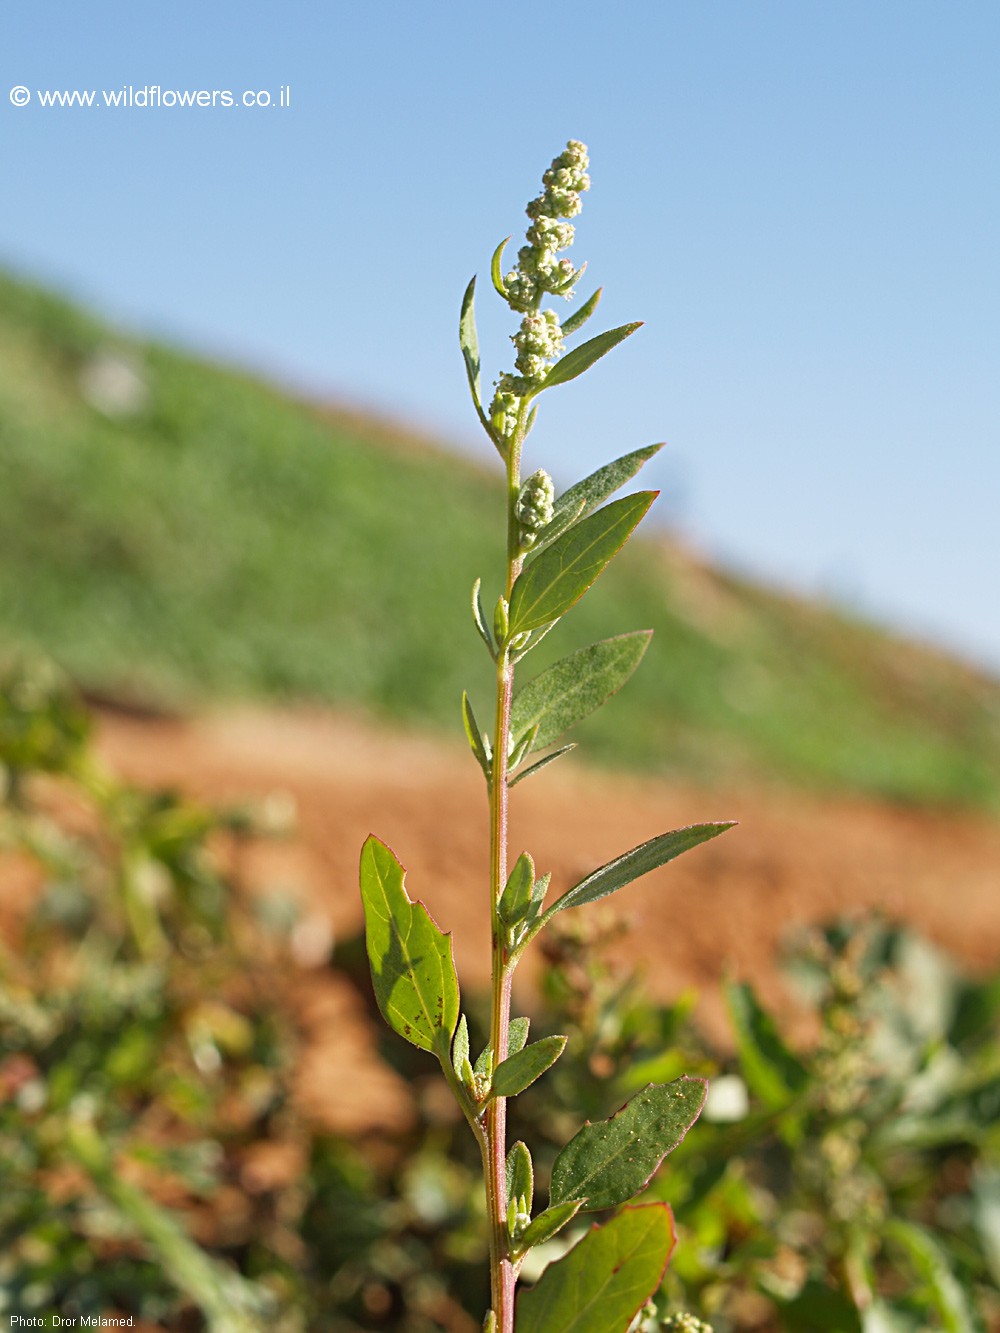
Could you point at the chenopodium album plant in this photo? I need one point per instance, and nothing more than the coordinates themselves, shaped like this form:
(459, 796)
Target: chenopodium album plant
(556, 548)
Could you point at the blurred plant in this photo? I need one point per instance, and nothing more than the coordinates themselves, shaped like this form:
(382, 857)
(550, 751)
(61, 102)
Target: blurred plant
(858, 1193)
(556, 550)
(123, 1089)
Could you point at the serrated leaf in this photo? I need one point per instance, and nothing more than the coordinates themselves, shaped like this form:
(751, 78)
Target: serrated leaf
(576, 686)
(583, 357)
(515, 900)
(772, 1072)
(546, 1224)
(931, 1262)
(606, 1278)
(611, 1161)
(520, 1174)
(563, 572)
(542, 763)
(412, 968)
(460, 1046)
(585, 496)
(632, 865)
(517, 1035)
(478, 743)
(519, 1071)
(496, 272)
(579, 317)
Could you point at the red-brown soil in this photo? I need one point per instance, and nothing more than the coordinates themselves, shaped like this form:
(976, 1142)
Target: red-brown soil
(724, 907)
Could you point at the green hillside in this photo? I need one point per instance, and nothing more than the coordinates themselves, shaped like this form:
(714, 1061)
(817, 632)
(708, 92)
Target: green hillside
(177, 531)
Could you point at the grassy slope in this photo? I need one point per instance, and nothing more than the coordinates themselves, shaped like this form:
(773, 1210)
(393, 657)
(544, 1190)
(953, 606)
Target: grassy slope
(227, 541)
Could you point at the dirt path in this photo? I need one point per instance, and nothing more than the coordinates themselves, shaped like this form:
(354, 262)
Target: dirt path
(726, 905)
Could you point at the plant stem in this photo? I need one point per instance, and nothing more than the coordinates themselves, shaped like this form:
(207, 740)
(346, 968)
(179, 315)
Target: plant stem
(503, 1275)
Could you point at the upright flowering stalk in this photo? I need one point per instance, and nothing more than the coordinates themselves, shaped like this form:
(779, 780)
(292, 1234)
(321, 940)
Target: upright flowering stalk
(557, 546)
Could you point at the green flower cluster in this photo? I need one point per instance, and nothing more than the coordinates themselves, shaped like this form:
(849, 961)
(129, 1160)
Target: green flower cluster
(539, 270)
(685, 1323)
(535, 505)
(539, 340)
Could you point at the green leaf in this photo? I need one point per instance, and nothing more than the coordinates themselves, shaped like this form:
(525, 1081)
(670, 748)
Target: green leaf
(515, 901)
(479, 617)
(460, 1046)
(484, 1065)
(611, 1161)
(576, 686)
(542, 763)
(517, 1035)
(523, 746)
(469, 340)
(931, 1262)
(478, 743)
(546, 1224)
(772, 1072)
(518, 1071)
(556, 526)
(631, 865)
(496, 272)
(606, 1278)
(564, 571)
(579, 317)
(413, 971)
(583, 357)
(583, 498)
(520, 1175)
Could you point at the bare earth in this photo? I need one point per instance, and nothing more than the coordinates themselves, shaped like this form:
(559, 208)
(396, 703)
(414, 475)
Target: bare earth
(725, 906)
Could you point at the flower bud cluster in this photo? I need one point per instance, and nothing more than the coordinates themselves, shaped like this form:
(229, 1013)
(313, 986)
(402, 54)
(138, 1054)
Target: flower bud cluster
(685, 1323)
(538, 341)
(538, 268)
(535, 505)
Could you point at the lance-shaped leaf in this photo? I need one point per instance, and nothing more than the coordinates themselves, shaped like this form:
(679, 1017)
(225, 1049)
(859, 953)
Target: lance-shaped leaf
(772, 1072)
(479, 617)
(583, 357)
(546, 1224)
(605, 1279)
(520, 1175)
(515, 900)
(632, 865)
(478, 742)
(496, 272)
(517, 1035)
(519, 1071)
(580, 317)
(576, 686)
(542, 763)
(564, 571)
(413, 971)
(469, 342)
(460, 1046)
(611, 1161)
(583, 498)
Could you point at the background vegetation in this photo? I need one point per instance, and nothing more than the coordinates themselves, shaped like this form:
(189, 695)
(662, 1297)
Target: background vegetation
(147, 1055)
(182, 533)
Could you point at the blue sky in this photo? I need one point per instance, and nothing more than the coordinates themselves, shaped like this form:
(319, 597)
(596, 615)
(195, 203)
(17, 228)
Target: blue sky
(800, 198)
